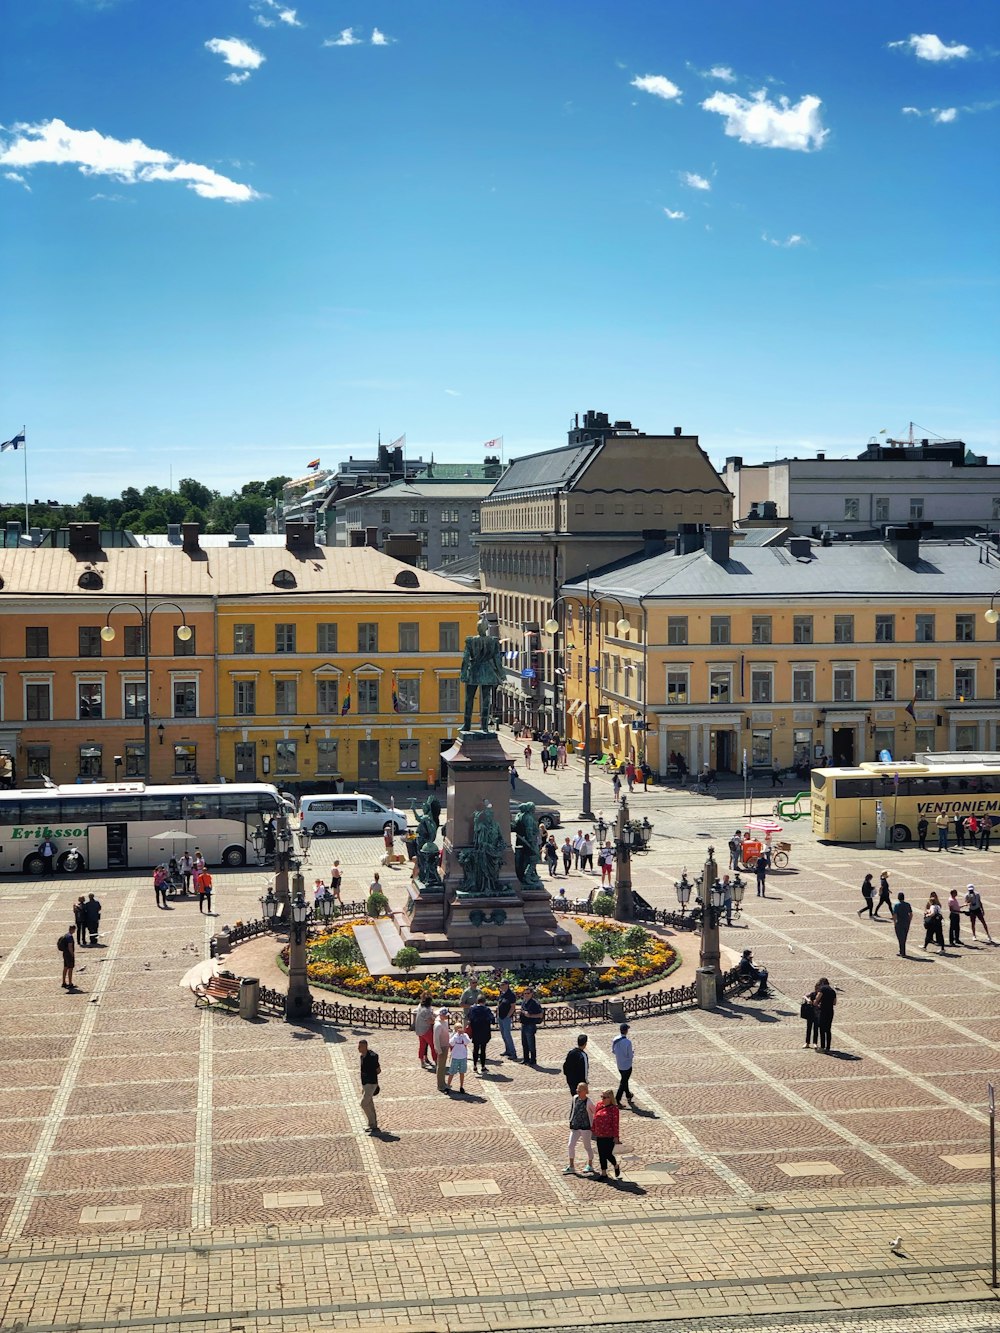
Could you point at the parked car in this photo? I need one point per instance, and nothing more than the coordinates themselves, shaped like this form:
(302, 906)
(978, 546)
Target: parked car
(547, 815)
(350, 812)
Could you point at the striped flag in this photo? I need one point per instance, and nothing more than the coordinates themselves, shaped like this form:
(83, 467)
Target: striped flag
(14, 443)
(910, 709)
(494, 444)
(395, 694)
(346, 706)
(314, 463)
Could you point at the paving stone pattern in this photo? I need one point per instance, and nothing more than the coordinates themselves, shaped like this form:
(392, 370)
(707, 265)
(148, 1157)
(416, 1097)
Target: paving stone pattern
(164, 1167)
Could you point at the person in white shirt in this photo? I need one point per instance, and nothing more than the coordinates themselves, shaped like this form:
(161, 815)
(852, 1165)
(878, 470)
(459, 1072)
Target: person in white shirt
(586, 853)
(577, 844)
(622, 1050)
(461, 1045)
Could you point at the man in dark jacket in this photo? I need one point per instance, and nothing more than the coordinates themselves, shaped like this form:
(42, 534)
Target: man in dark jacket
(369, 1084)
(481, 1027)
(576, 1066)
(92, 918)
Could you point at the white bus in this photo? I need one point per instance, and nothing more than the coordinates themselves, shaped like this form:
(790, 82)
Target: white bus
(117, 825)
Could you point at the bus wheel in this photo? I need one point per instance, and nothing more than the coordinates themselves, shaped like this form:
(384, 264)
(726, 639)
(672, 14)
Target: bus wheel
(70, 864)
(34, 865)
(900, 833)
(234, 856)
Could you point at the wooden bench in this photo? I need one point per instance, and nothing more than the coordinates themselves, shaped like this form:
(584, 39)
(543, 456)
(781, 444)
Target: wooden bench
(218, 993)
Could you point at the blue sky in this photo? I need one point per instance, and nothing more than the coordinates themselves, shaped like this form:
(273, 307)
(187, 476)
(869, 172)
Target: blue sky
(773, 224)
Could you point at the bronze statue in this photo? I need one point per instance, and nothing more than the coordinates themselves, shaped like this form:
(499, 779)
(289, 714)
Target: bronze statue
(482, 669)
(427, 824)
(526, 846)
(482, 861)
(429, 868)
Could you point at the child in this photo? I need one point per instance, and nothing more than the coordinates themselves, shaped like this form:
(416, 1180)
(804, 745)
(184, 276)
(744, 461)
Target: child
(461, 1045)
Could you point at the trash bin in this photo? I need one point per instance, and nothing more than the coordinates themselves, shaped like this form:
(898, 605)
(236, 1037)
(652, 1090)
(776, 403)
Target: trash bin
(432, 778)
(616, 1011)
(220, 944)
(249, 997)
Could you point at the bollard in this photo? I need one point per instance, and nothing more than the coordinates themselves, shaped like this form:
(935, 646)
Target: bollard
(220, 944)
(616, 1011)
(249, 997)
(705, 987)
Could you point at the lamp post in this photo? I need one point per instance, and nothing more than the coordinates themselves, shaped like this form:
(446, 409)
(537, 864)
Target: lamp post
(145, 614)
(624, 902)
(682, 887)
(298, 1004)
(709, 977)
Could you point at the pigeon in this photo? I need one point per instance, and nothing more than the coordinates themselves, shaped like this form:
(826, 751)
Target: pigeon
(895, 1244)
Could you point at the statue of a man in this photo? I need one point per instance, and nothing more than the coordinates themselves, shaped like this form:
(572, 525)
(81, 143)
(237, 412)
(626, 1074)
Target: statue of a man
(526, 846)
(482, 669)
(482, 861)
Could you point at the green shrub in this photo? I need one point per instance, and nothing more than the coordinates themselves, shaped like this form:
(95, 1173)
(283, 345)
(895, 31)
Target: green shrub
(377, 904)
(337, 949)
(592, 952)
(635, 940)
(603, 904)
(407, 958)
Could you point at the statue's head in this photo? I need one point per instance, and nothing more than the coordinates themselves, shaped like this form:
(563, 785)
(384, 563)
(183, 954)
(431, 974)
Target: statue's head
(526, 808)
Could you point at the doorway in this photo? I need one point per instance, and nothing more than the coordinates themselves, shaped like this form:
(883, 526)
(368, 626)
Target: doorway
(724, 749)
(843, 747)
(117, 835)
(368, 761)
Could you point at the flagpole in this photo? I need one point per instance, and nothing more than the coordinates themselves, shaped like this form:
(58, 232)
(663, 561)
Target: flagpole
(24, 446)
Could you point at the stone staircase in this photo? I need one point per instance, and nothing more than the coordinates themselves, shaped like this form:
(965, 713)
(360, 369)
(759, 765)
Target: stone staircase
(379, 942)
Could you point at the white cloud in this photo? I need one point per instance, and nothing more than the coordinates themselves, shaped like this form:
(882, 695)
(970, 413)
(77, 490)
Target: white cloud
(270, 12)
(237, 53)
(658, 85)
(723, 73)
(17, 178)
(789, 243)
(945, 115)
(379, 38)
(928, 46)
(346, 38)
(676, 215)
(757, 120)
(694, 181)
(453, 393)
(53, 142)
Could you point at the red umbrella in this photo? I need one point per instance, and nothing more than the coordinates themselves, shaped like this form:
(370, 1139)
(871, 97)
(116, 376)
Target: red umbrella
(765, 826)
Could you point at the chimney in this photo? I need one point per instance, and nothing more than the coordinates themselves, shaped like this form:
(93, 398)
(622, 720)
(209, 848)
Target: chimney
(13, 537)
(300, 537)
(371, 537)
(189, 538)
(356, 537)
(821, 458)
(403, 546)
(718, 545)
(904, 543)
(654, 541)
(84, 538)
(690, 537)
(35, 534)
(173, 534)
(799, 547)
(678, 430)
(241, 534)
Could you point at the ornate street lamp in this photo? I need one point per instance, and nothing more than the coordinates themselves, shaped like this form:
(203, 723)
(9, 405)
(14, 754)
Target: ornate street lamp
(645, 832)
(269, 905)
(738, 888)
(300, 916)
(324, 907)
(682, 887)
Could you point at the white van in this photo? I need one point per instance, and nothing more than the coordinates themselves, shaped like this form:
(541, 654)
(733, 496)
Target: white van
(347, 813)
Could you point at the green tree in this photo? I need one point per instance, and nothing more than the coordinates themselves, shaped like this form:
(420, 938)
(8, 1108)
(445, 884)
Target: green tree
(603, 904)
(196, 493)
(592, 953)
(407, 958)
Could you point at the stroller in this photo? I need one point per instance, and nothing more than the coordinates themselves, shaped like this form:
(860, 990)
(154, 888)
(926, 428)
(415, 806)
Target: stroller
(174, 886)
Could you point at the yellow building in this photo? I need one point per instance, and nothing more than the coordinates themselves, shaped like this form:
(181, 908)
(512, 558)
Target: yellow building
(788, 653)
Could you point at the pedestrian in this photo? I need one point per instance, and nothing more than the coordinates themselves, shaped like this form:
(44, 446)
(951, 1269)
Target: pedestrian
(545, 759)
(630, 776)
(941, 823)
(581, 1120)
(553, 755)
(205, 891)
(513, 778)
(586, 852)
(567, 855)
(531, 1015)
(954, 918)
(972, 828)
(933, 922)
(79, 910)
(160, 885)
(470, 996)
(186, 867)
(423, 1026)
(481, 1030)
(868, 893)
(985, 828)
(506, 1005)
(682, 768)
(922, 833)
(562, 754)
(576, 1066)
(606, 860)
(775, 773)
(66, 944)
(47, 851)
(551, 854)
(884, 896)
(760, 870)
(616, 786)
(370, 1071)
(389, 837)
(974, 902)
(624, 1053)
(808, 1011)
(902, 915)
(727, 898)
(577, 844)
(375, 887)
(736, 849)
(527, 755)
(826, 1001)
(92, 918)
(605, 1131)
(336, 875)
(647, 773)
(461, 1045)
(442, 1046)
(960, 831)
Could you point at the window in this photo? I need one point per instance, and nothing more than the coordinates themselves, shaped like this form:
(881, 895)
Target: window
(286, 697)
(885, 683)
(802, 629)
(134, 698)
(761, 685)
(367, 637)
(448, 696)
(327, 695)
(881, 509)
(677, 629)
(409, 756)
(135, 759)
(386, 515)
(185, 647)
(475, 517)
(883, 738)
(965, 628)
(852, 509)
(243, 638)
(90, 640)
(284, 638)
(719, 632)
(185, 759)
(803, 689)
(925, 683)
(843, 685)
(449, 515)
(39, 760)
(760, 629)
(916, 508)
(38, 701)
(965, 683)
(245, 754)
(720, 686)
(885, 629)
(409, 637)
(90, 761)
(843, 629)
(36, 641)
(245, 698)
(418, 515)
(368, 695)
(925, 628)
(185, 698)
(408, 695)
(760, 749)
(90, 699)
(448, 636)
(967, 736)
(326, 757)
(450, 537)
(326, 637)
(677, 687)
(134, 641)
(286, 756)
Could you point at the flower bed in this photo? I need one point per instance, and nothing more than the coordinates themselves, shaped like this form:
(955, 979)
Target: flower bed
(637, 959)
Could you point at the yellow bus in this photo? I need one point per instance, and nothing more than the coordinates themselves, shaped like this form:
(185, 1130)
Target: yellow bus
(845, 800)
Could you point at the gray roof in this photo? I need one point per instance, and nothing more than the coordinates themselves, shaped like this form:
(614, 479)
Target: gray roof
(423, 488)
(557, 467)
(850, 569)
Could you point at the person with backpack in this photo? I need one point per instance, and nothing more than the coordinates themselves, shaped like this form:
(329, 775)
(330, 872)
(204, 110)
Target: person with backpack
(66, 944)
(974, 902)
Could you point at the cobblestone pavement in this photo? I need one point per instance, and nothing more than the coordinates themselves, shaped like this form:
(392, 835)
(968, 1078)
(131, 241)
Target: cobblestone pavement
(167, 1168)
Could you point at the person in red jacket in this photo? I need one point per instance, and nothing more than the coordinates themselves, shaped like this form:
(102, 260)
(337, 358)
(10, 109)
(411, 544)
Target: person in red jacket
(605, 1131)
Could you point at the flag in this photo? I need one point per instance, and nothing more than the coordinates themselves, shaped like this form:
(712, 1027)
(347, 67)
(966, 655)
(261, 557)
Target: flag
(346, 707)
(14, 443)
(314, 463)
(395, 694)
(909, 708)
(401, 442)
(494, 444)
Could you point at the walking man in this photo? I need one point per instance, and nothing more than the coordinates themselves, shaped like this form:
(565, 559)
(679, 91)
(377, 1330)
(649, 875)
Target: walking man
(576, 1066)
(205, 891)
(902, 915)
(481, 1025)
(442, 1047)
(760, 869)
(531, 1015)
(567, 855)
(884, 896)
(622, 1050)
(954, 918)
(506, 1004)
(92, 918)
(369, 1084)
(67, 947)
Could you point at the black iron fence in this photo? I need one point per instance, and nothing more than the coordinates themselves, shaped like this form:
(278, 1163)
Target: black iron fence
(248, 930)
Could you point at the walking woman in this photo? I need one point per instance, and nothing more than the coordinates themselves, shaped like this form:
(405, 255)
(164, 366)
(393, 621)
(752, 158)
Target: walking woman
(807, 1010)
(933, 922)
(605, 1131)
(884, 896)
(581, 1121)
(868, 893)
(423, 1026)
(974, 902)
